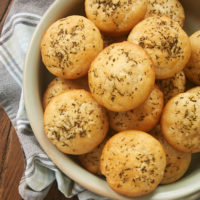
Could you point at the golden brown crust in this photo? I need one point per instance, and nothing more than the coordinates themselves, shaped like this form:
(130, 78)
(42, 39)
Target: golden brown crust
(180, 122)
(195, 90)
(121, 77)
(83, 83)
(172, 86)
(177, 162)
(143, 118)
(133, 167)
(59, 85)
(91, 160)
(192, 70)
(69, 45)
(74, 122)
(165, 41)
(115, 17)
(170, 8)
(55, 87)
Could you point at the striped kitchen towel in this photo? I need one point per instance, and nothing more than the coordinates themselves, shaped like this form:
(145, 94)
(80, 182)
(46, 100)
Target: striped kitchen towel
(40, 171)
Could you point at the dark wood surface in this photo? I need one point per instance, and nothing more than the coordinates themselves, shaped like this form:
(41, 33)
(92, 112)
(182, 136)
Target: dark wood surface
(12, 161)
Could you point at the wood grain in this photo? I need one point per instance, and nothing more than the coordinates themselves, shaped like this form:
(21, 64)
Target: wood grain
(4, 8)
(12, 161)
(12, 164)
(54, 194)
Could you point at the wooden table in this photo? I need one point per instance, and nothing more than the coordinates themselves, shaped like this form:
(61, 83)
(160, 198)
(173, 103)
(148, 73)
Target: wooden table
(11, 155)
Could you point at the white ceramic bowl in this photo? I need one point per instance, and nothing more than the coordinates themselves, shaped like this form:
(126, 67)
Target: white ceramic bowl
(35, 79)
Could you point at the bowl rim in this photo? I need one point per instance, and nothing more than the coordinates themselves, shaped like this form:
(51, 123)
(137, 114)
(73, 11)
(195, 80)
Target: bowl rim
(65, 164)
